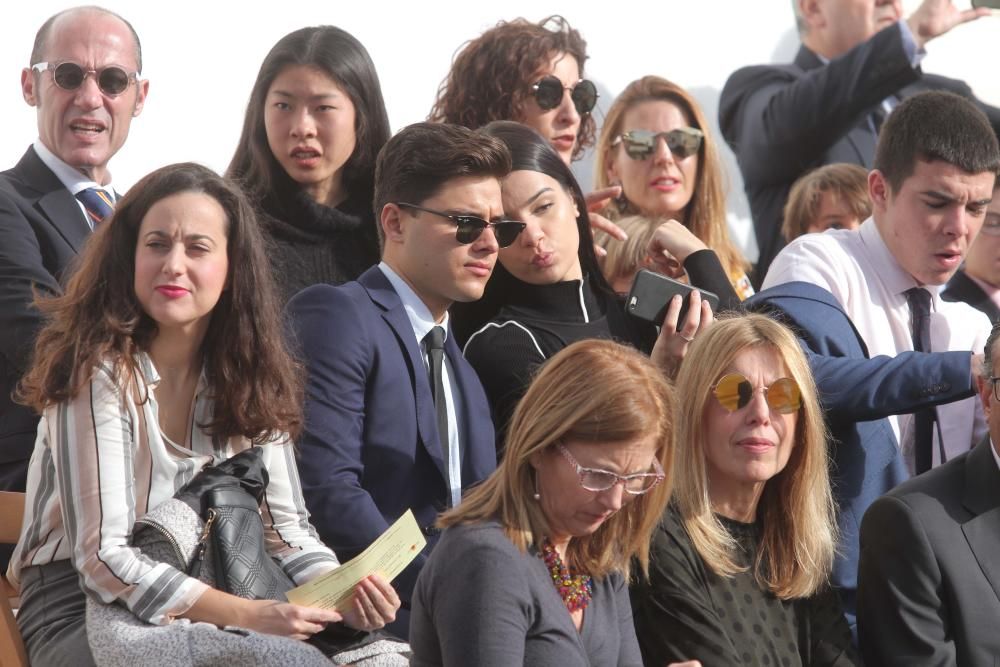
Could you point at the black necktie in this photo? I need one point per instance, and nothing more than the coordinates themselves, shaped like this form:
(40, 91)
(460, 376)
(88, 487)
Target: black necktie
(98, 204)
(919, 301)
(434, 343)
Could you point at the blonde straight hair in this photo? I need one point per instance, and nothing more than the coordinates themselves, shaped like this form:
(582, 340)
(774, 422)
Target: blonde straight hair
(592, 391)
(797, 546)
(705, 214)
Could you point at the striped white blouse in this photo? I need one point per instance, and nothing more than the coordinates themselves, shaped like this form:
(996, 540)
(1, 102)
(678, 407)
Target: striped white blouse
(100, 462)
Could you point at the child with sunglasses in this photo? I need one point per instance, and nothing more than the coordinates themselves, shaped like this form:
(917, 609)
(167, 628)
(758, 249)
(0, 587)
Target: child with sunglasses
(740, 565)
(655, 144)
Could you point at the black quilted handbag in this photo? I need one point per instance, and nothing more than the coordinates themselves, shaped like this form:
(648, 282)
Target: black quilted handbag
(228, 496)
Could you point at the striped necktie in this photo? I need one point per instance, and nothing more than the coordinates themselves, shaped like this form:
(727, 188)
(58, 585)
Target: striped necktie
(98, 203)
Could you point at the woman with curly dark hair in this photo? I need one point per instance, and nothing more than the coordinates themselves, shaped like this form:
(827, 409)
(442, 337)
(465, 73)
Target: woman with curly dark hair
(528, 72)
(314, 125)
(164, 355)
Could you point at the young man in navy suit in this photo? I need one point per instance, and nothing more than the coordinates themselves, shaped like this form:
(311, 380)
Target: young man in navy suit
(389, 427)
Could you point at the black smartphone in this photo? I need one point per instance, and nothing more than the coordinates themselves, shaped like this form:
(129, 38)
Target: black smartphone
(992, 4)
(651, 293)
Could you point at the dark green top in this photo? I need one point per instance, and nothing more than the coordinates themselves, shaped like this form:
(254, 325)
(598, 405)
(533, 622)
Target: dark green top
(686, 612)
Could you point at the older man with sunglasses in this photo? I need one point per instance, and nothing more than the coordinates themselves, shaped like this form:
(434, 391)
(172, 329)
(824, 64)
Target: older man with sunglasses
(396, 419)
(83, 80)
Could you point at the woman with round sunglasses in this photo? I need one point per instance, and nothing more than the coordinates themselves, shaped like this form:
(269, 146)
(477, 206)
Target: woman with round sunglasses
(164, 355)
(527, 72)
(656, 145)
(531, 567)
(314, 125)
(740, 563)
(547, 290)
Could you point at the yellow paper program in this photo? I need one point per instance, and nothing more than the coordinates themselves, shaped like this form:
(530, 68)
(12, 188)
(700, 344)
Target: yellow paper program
(388, 555)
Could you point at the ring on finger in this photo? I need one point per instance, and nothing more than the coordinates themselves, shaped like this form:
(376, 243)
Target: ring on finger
(685, 338)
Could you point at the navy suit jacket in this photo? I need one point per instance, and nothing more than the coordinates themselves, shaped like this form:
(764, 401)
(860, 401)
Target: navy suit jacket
(784, 120)
(42, 229)
(370, 449)
(857, 394)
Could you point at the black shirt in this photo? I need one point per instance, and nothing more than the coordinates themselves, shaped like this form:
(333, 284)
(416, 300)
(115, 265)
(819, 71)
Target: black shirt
(686, 612)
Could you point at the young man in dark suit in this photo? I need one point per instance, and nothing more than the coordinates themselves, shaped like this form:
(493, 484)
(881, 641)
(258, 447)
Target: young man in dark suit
(391, 423)
(929, 577)
(83, 80)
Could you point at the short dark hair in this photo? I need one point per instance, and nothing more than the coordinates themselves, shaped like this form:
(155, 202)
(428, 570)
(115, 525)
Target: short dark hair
(490, 78)
(345, 60)
(422, 157)
(42, 36)
(931, 126)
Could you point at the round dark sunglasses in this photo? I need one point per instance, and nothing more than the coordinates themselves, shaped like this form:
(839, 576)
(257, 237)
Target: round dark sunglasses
(640, 144)
(112, 80)
(734, 392)
(549, 94)
(469, 227)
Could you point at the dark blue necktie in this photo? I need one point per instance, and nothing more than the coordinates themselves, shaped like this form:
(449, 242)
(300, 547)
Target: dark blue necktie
(98, 203)
(919, 301)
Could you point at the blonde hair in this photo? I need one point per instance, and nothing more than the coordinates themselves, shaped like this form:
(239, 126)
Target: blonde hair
(592, 391)
(797, 546)
(849, 182)
(625, 258)
(705, 214)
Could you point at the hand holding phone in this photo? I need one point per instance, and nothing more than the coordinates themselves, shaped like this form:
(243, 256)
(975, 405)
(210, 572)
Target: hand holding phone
(651, 293)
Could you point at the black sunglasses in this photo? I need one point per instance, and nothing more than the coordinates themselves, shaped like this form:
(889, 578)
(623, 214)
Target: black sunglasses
(640, 144)
(549, 94)
(112, 80)
(471, 227)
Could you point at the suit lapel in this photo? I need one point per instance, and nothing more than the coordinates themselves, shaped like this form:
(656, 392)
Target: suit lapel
(982, 498)
(381, 292)
(54, 201)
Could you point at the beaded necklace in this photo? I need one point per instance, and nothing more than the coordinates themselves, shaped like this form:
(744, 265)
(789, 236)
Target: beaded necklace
(576, 590)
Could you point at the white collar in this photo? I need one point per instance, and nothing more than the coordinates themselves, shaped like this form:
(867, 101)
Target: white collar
(72, 178)
(417, 311)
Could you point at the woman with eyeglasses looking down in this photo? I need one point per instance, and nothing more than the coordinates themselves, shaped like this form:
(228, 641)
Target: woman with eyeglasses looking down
(164, 355)
(547, 290)
(314, 125)
(531, 567)
(740, 564)
(656, 145)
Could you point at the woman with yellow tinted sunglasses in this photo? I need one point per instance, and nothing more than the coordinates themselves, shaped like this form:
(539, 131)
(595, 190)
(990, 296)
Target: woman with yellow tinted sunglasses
(740, 564)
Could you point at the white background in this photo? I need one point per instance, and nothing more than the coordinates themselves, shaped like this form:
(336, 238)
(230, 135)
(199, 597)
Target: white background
(202, 57)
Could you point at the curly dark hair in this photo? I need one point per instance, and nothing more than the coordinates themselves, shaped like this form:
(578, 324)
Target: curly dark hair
(257, 387)
(492, 75)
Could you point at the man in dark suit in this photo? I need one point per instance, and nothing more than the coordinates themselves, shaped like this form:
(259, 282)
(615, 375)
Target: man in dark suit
(857, 61)
(977, 283)
(858, 392)
(83, 80)
(929, 579)
(386, 432)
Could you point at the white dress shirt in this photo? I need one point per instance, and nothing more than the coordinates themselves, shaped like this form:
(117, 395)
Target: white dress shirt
(422, 322)
(861, 272)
